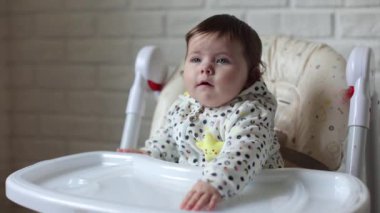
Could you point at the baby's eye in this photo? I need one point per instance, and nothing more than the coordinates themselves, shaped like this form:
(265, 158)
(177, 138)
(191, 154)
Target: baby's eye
(195, 60)
(222, 61)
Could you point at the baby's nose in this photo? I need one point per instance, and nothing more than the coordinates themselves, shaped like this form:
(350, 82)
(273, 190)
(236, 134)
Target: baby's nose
(207, 69)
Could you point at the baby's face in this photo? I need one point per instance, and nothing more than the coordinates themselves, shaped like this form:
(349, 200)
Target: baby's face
(215, 69)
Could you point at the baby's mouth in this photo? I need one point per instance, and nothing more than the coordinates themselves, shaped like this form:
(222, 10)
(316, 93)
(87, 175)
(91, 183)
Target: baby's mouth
(205, 83)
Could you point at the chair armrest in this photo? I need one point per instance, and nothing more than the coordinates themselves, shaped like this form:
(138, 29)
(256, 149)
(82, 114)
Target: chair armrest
(360, 77)
(149, 73)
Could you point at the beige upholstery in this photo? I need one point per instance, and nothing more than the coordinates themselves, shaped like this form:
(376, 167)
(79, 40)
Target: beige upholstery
(308, 80)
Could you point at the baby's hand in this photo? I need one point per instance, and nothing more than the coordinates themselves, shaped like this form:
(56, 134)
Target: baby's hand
(201, 196)
(137, 151)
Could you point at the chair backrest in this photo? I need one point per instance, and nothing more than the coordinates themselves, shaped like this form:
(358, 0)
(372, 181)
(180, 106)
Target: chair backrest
(308, 80)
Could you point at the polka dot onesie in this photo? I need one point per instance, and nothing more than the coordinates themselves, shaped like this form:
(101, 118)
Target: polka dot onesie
(232, 142)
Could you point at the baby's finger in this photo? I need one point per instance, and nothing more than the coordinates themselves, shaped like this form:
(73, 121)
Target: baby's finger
(137, 151)
(212, 204)
(192, 201)
(202, 202)
(187, 199)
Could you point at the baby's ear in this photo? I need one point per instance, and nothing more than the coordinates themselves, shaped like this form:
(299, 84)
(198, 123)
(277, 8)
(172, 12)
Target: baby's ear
(253, 76)
(248, 82)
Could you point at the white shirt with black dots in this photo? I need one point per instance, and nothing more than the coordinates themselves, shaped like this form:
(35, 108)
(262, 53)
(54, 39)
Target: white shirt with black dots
(232, 142)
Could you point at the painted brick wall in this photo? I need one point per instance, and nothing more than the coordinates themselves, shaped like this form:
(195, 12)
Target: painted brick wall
(71, 61)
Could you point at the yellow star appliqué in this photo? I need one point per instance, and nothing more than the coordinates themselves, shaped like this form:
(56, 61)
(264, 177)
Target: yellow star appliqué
(210, 146)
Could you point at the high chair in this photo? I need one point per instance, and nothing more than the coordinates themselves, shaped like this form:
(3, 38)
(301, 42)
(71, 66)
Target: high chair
(322, 122)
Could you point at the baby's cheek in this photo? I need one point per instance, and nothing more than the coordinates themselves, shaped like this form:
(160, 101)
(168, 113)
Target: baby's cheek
(232, 83)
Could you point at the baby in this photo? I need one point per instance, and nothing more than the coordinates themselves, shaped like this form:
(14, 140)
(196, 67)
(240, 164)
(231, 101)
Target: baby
(224, 123)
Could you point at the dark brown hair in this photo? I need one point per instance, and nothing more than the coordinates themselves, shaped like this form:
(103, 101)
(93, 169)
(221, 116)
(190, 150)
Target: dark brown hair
(234, 29)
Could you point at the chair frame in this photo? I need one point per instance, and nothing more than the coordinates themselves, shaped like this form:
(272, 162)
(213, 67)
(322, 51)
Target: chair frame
(150, 70)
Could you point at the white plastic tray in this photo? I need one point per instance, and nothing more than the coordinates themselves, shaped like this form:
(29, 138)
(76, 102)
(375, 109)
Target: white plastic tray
(115, 182)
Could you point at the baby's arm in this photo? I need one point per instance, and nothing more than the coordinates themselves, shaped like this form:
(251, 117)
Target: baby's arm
(162, 144)
(247, 146)
(159, 148)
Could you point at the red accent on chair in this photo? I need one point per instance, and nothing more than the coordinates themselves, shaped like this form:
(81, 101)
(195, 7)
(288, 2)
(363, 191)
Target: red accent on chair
(154, 86)
(350, 92)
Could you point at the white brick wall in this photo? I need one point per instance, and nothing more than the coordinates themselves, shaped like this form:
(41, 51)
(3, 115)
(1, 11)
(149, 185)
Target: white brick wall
(359, 24)
(63, 24)
(132, 24)
(166, 4)
(71, 61)
(316, 24)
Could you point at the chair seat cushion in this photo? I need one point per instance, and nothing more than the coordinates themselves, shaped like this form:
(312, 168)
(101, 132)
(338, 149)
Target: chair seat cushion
(308, 80)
